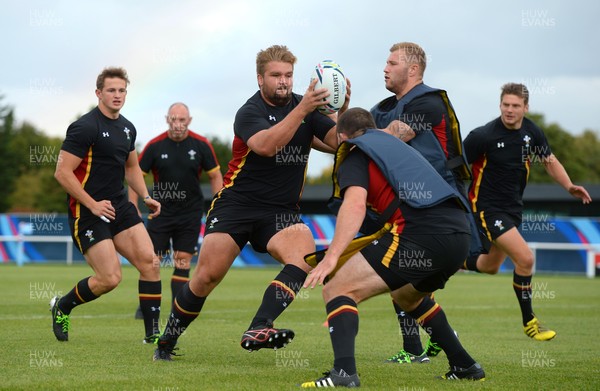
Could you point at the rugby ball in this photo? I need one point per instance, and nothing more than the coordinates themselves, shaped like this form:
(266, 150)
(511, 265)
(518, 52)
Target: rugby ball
(330, 75)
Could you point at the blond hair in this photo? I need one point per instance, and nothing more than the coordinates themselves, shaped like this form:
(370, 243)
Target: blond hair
(273, 53)
(413, 52)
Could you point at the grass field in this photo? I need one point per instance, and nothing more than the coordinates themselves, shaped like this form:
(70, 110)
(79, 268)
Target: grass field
(105, 350)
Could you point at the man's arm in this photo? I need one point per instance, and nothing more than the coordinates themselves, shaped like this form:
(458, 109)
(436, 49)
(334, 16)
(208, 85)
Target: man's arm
(321, 146)
(344, 107)
(400, 130)
(65, 176)
(135, 179)
(266, 142)
(133, 196)
(216, 179)
(557, 171)
(349, 219)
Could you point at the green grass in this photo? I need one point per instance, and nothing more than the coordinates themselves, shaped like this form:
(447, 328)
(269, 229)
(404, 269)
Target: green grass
(105, 350)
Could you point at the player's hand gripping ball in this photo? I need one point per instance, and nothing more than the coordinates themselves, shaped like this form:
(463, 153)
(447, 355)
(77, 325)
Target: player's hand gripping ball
(330, 75)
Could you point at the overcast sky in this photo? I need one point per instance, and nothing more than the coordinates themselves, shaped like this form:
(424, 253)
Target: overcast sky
(203, 53)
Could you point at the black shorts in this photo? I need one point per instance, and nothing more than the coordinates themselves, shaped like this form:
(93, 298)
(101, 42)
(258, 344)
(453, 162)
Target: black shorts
(493, 223)
(425, 261)
(256, 224)
(88, 229)
(183, 230)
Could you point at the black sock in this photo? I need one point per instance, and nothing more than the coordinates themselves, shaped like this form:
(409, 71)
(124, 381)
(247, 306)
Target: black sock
(522, 287)
(409, 328)
(178, 280)
(279, 295)
(342, 317)
(471, 263)
(186, 308)
(433, 319)
(80, 294)
(150, 297)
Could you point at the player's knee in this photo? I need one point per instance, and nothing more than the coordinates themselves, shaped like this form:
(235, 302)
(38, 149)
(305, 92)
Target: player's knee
(204, 282)
(490, 269)
(526, 261)
(108, 282)
(327, 293)
(149, 267)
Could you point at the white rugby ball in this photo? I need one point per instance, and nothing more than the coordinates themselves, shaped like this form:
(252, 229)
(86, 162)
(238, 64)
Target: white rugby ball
(330, 75)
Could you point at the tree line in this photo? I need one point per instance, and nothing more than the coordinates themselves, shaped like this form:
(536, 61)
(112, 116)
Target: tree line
(28, 158)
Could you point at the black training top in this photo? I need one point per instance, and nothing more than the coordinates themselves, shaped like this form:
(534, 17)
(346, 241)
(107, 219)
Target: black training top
(252, 179)
(104, 145)
(176, 168)
(500, 159)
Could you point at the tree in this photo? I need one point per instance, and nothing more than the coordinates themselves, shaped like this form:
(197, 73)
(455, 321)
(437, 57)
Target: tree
(8, 156)
(323, 179)
(35, 190)
(576, 153)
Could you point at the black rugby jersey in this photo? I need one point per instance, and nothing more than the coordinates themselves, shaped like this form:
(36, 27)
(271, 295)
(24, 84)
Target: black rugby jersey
(104, 145)
(500, 159)
(358, 170)
(252, 179)
(176, 167)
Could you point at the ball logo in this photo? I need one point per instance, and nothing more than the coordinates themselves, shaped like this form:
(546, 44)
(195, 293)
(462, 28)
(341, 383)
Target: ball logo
(330, 75)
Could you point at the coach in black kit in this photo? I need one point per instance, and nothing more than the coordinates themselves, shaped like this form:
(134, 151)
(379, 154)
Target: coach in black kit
(274, 131)
(97, 155)
(176, 158)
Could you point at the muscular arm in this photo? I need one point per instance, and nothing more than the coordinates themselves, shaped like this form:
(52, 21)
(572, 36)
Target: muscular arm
(65, 176)
(266, 141)
(321, 146)
(216, 180)
(557, 171)
(349, 219)
(133, 196)
(400, 130)
(135, 178)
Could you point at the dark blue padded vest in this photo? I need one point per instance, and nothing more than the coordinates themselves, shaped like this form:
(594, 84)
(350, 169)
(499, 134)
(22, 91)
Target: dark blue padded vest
(426, 142)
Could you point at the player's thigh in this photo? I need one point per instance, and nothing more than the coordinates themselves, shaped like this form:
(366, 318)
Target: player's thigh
(134, 244)
(355, 279)
(104, 261)
(513, 244)
(217, 253)
(291, 244)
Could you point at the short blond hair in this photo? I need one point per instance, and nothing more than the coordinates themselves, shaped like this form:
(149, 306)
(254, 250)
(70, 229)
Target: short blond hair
(273, 53)
(413, 52)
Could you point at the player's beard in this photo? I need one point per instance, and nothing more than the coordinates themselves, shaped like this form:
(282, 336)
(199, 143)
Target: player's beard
(280, 97)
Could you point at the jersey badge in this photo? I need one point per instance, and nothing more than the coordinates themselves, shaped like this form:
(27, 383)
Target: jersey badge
(127, 133)
(272, 118)
(500, 145)
(192, 154)
(498, 224)
(164, 156)
(527, 139)
(213, 222)
(90, 235)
